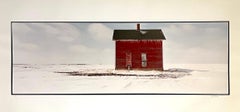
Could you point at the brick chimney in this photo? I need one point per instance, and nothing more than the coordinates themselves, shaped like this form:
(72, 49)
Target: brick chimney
(138, 27)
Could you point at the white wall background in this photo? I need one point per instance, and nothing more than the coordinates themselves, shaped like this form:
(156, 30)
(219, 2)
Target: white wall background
(122, 10)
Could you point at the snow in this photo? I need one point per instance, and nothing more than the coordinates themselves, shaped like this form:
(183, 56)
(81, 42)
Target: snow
(177, 78)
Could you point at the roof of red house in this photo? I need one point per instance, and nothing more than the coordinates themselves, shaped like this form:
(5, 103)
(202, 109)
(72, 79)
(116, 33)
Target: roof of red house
(135, 34)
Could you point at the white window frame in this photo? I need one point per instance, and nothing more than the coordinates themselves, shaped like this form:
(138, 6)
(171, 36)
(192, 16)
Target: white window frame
(144, 59)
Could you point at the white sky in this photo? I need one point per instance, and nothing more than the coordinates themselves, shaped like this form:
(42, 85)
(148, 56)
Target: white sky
(91, 43)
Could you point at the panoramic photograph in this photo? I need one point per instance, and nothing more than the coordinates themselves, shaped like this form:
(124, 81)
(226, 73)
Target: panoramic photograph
(120, 57)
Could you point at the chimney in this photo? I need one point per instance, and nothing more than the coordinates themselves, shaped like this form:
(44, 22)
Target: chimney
(138, 27)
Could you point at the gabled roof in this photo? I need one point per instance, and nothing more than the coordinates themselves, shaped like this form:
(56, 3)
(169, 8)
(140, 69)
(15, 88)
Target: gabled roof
(135, 34)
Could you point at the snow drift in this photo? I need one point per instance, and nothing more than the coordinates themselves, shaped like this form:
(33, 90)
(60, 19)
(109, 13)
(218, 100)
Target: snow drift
(80, 78)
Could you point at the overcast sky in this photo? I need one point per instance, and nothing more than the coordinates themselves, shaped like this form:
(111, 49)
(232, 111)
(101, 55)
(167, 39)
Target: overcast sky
(91, 43)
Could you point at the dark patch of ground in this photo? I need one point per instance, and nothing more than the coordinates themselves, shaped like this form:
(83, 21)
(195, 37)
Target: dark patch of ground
(163, 75)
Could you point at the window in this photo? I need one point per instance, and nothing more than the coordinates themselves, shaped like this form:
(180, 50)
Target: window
(144, 59)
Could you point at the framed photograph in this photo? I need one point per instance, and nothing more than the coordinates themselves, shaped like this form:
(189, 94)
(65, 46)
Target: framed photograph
(120, 58)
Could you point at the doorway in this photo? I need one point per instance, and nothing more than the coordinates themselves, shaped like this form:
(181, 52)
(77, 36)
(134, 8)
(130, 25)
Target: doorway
(128, 60)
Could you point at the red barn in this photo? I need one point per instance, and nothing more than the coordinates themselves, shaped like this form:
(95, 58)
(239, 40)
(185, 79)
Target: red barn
(139, 49)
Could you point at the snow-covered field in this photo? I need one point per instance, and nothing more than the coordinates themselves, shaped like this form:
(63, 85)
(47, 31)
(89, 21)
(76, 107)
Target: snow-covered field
(177, 78)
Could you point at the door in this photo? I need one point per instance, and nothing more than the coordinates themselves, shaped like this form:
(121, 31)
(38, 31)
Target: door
(128, 60)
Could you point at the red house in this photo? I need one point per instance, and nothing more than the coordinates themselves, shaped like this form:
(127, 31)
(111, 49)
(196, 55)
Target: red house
(139, 49)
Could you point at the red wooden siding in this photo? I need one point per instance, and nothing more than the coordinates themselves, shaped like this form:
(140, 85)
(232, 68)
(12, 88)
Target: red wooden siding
(152, 48)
